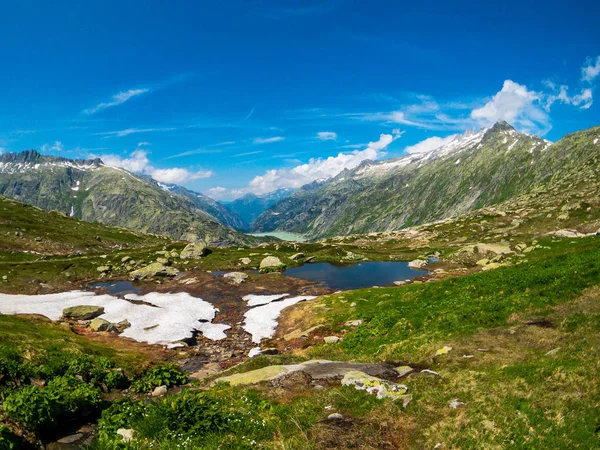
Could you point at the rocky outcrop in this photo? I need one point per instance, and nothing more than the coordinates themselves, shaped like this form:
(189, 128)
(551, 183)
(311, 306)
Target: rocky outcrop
(377, 386)
(153, 270)
(83, 312)
(271, 264)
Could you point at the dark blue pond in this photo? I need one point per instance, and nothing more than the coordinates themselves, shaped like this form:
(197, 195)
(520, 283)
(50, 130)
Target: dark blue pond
(356, 276)
(117, 287)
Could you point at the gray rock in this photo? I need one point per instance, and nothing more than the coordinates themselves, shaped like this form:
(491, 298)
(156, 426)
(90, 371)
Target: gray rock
(335, 417)
(455, 403)
(297, 256)
(99, 324)
(127, 434)
(271, 263)
(245, 261)
(103, 269)
(159, 391)
(152, 270)
(195, 250)
(417, 263)
(331, 339)
(354, 323)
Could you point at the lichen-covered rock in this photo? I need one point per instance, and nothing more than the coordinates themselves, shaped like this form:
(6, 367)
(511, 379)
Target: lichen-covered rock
(235, 277)
(245, 261)
(103, 269)
(152, 270)
(271, 263)
(83, 312)
(195, 250)
(377, 386)
(99, 324)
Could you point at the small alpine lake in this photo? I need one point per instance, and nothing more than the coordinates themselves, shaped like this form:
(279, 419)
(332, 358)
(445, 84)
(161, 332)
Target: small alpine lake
(355, 276)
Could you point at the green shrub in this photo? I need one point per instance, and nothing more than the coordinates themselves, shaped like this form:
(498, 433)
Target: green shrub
(165, 375)
(41, 409)
(121, 414)
(8, 441)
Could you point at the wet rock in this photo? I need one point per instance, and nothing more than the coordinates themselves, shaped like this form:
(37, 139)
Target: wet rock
(195, 250)
(99, 324)
(271, 263)
(83, 312)
(373, 385)
(159, 391)
(235, 278)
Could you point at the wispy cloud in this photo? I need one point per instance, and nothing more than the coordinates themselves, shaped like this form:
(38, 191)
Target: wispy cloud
(128, 131)
(590, 69)
(249, 114)
(247, 154)
(327, 136)
(57, 146)
(198, 151)
(268, 140)
(117, 99)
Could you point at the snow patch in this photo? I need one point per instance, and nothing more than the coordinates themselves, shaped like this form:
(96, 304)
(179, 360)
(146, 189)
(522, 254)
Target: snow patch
(261, 321)
(166, 318)
(254, 352)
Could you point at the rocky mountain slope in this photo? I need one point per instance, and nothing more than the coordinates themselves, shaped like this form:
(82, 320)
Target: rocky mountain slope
(250, 206)
(473, 171)
(91, 191)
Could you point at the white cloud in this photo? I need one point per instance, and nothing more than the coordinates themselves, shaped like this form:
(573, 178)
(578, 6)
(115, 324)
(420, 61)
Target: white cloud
(144, 144)
(128, 131)
(217, 192)
(318, 168)
(518, 106)
(116, 100)
(429, 144)
(56, 147)
(591, 69)
(327, 136)
(138, 162)
(584, 100)
(268, 140)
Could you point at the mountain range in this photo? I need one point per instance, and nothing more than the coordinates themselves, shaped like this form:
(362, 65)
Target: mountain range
(474, 170)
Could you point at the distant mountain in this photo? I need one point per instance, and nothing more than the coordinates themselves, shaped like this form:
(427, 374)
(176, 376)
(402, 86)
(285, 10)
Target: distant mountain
(250, 206)
(89, 190)
(218, 210)
(474, 170)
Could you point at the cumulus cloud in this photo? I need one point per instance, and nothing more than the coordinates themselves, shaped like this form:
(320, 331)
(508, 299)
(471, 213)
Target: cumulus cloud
(429, 144)
(327, 136)
(57, 146)
(138, 162)
(561, 94)
(591, 69)
(268, 140)
(518, 106)
(319, 168)
(116, 100)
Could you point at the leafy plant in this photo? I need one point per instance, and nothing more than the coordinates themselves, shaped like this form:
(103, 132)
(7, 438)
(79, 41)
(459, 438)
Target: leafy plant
(165, 375)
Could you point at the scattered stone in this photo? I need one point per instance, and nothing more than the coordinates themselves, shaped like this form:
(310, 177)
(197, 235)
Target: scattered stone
(455, 403)
(99, 324)
(235, 278)
(354, 323)
(163, 261)
(483, 262)
(103, 269)
(400, 283)
(245, 261)
(417, 264)
(404, 371)
(127, 434)
(429, 372)
(271, 263)
(309, 259)
(553, 352)
(195, 250)
(331, 339)
(443, 351)
(122, 325)
(297, 256)
(353, 305)
(124, 259)
(373, 385)
(83, 312)
(159, 391)
(335, 416)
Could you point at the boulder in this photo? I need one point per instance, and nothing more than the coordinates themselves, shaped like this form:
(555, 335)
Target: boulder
(235, 277)
(83, 312)
(163, 261)
(159, 391)
(271, 263)
(151, 270)
(417, 264)
(377, 386)
(331, 339)
(297, 256)
(99, 324)
(195, 250)
(245, 261)
(127, 434)
(122, 325)
(103, 269)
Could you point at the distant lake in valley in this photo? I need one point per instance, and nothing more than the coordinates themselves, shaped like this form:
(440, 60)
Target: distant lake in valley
(283, 235)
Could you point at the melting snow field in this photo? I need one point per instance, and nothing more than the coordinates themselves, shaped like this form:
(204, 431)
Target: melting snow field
(171, 318)
(261, 321)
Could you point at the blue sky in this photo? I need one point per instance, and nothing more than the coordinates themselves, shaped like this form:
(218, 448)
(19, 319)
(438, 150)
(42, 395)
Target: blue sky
(231, 97)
